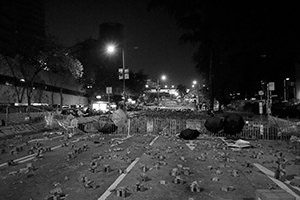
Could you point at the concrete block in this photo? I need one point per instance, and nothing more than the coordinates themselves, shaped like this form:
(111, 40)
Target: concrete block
(121, 192)
(107, 168)
(178, 180)
(174, 172)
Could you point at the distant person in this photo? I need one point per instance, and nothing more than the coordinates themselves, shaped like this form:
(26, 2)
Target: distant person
(79, 113)
(195, 104)
(122, 106)
(70, 117)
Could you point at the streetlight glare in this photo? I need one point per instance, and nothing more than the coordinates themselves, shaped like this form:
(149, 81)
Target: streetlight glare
(194, 82)
(111, 49)
(163, 77)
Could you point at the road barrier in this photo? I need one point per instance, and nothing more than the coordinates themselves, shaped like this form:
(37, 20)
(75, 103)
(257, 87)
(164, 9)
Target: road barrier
(266, 130)
(251, 130)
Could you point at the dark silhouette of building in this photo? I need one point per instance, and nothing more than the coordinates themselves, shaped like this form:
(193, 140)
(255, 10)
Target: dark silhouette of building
(21, 17)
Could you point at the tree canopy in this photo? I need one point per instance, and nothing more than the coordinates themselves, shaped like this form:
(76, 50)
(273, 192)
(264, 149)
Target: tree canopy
(239, 43)
(28, 56)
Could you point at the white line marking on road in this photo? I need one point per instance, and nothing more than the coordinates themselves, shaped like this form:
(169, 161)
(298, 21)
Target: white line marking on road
(30, 157)
(151, 143)
(22, 161)
(118, 180)
(3, 164)
(270, 174)
(122, 176)
(191, 146)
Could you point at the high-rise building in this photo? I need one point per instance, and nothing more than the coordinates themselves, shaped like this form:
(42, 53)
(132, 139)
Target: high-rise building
(21, 17)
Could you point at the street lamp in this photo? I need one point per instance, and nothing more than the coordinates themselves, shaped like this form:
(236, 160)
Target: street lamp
(285, 93)
(163, 77)
(112, 49)
(198, 89)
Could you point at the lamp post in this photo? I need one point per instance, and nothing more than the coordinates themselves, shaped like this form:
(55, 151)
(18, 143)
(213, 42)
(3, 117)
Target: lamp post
(123, 65)
(285, 96)
(163, 77)
(111, 49)
(198, 95)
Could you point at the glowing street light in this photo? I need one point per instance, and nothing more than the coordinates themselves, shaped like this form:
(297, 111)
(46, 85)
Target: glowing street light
(198, 95)
(163, 77)
(112, 49)
(285, 93)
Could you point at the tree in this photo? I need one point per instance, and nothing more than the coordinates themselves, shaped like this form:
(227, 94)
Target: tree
(203, 24)
(106, 77)
(88, 53)
(99, 71)
(236, 39)
(26, 58)
(29, 56)
(8, 68)
(66, 66)
(182, 90)
(136, 83)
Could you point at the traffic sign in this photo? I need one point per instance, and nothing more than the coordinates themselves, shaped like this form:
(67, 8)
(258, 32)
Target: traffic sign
(271, 86)
(120, 73)
(108, 90)
(260, 107)
(126, 74)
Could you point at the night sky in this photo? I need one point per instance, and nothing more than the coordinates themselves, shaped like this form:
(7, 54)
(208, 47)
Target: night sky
(154, 33)
(270, 31)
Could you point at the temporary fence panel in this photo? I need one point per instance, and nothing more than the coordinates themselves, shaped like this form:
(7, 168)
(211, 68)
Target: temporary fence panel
(173, 127)
(193, 124)
(251, 130)
(170, 126)
(140, 125)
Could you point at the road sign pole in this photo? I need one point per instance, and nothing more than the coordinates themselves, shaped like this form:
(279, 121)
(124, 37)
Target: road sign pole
(123, 59)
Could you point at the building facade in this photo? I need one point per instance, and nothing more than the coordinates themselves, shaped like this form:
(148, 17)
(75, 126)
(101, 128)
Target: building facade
(26, 17)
